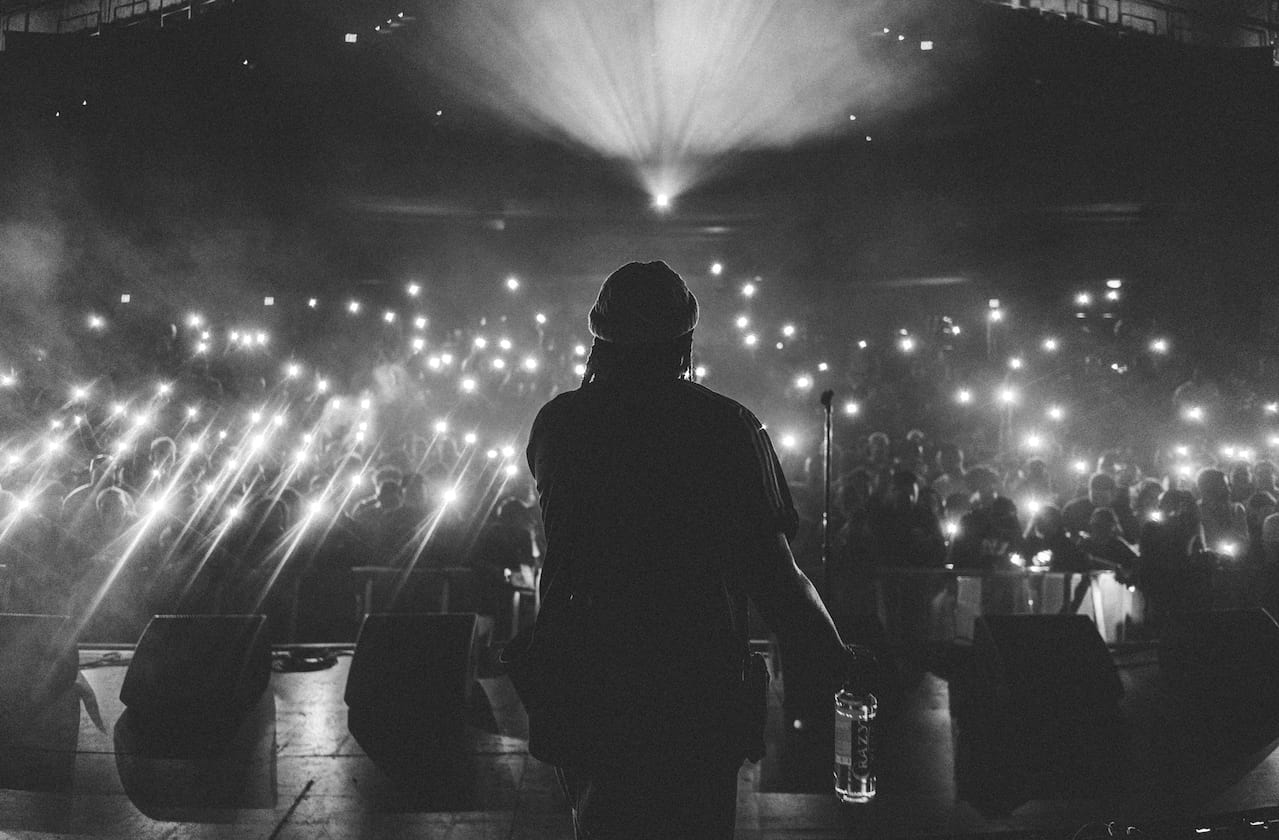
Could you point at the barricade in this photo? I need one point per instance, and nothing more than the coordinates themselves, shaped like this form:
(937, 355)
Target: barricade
(940, 606)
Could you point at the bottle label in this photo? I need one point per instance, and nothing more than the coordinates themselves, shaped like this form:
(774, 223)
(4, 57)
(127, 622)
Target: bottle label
(843, 738)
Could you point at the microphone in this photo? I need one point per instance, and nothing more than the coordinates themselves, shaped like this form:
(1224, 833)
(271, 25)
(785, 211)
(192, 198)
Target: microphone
(827, 396)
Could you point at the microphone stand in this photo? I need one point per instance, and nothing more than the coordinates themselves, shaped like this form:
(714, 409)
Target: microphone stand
(826, 451)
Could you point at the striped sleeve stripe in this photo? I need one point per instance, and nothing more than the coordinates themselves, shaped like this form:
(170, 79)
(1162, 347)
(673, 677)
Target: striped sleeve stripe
(766, 461)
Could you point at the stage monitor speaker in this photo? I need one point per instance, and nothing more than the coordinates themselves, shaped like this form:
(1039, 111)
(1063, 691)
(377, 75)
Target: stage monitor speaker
(1228, 659)
(1055, 664)
(414, 664)
(195, 666)
(1037, 712)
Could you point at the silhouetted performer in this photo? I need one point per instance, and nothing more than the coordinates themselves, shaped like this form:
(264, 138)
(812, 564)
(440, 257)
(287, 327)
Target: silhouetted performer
(657, 495)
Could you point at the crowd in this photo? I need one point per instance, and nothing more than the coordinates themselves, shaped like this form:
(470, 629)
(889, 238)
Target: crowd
(200, 469)
(1208, 539)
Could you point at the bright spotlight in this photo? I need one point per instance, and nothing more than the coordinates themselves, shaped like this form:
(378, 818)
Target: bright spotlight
(413, 289)
(1159, 345)
(789, 441)
(1055, 412)
(353, 307)
(749, 290)
(751, 339)
(662, 201)
(1007, 396)
(851, 408)
(468, 385)
(1050, 345)
(717, 269)
(964, 396)
(804, 382)
(1083, 299)
(512, 283)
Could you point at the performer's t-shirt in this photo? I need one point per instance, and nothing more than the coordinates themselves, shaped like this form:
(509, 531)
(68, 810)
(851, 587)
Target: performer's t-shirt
(653, 495)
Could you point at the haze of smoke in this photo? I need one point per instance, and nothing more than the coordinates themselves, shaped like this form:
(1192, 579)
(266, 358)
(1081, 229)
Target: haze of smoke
(668, 86)
(177, 245)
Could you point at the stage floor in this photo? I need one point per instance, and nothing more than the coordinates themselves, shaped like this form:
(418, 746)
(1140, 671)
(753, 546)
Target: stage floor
(292, 770)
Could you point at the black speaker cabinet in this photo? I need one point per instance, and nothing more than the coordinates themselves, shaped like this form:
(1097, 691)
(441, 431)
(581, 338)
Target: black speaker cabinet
(424, 662)
(198, 666)
(1037, 712)
(410, 686)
